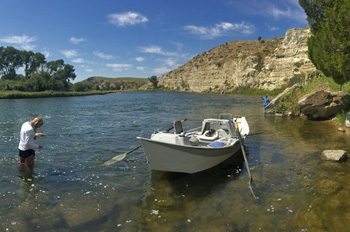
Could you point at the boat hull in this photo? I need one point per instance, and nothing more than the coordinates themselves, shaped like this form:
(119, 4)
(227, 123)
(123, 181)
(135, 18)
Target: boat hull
(183, 158)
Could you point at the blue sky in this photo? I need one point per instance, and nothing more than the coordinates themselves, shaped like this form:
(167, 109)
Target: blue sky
(139, 38)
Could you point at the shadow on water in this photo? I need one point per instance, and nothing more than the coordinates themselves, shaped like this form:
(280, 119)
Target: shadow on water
(171, 194)
(201, 183)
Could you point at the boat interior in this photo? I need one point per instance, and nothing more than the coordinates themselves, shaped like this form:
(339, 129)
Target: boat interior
(213, 133)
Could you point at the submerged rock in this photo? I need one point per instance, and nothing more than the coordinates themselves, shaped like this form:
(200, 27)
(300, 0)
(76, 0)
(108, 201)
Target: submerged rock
(334, 155)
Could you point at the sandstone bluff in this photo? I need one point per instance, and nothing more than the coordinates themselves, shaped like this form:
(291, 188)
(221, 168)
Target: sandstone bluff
(266, 65)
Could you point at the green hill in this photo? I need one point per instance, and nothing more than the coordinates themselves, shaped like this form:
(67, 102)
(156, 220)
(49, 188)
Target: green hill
(119, 83)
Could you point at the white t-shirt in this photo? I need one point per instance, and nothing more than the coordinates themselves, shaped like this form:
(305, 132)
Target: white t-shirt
(27, 137)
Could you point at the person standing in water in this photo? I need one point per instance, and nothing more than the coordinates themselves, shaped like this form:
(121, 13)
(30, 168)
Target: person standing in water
(26, 145)
(266, 101)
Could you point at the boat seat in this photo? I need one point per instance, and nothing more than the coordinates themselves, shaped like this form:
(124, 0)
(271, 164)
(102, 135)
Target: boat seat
(206, 127)
(223, 133)
(178, 127)
(209, 135)
(225, 116)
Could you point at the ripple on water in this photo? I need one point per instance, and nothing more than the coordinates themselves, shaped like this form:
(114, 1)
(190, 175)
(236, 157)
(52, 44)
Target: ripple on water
(70, 189)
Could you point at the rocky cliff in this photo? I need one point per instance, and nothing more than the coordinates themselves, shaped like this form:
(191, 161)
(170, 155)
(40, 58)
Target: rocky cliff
(266, 64)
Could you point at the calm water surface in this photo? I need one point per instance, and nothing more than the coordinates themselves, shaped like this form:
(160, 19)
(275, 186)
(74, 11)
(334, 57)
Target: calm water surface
(71, 190)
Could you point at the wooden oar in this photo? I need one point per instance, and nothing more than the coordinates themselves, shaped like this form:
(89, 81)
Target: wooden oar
(119, 157)
(122, 156)
(245, 159)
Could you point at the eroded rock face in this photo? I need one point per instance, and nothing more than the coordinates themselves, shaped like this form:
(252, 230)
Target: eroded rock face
(322, 104)
(239, 64)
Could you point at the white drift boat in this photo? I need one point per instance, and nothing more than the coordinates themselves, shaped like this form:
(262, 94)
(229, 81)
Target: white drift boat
(197, 149)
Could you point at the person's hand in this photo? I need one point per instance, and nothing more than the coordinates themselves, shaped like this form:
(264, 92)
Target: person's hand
(40, 147)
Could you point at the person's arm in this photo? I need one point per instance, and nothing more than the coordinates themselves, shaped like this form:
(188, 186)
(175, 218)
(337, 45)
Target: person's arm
(29, 140)
(38, 135)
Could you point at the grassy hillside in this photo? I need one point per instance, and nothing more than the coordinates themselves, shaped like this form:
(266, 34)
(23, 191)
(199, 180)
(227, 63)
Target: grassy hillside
(139, 81)
(107, 83)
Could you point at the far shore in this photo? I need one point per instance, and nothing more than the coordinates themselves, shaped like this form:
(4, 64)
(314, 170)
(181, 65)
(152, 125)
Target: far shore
(20, 94)
(43, 94)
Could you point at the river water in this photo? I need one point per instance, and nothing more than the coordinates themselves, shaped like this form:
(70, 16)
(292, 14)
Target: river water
(71, 189)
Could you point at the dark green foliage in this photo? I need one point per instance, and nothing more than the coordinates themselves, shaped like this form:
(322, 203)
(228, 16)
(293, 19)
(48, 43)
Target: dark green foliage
(10, 61)
(39, 74)
(31, 61)
(315, 11)
(329, 45)
(82, 87)
(154, 81)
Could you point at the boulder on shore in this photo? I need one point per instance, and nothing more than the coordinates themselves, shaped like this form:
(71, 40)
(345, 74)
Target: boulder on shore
(322, 104)
(334, 155)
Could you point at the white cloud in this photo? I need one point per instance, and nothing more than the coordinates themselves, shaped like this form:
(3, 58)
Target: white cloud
(103, 56)
(271, 28)
(69, 53)
(161, 70)
(292, 12)
(46, 53)
(78, 60)
(140, 68)
(139, 59)
(221, 29)
(23, 41)
(119, 67)
(156, 50)
(178, 45)
(170, 62)
(126, 19)
(77, 40)
(89, 70)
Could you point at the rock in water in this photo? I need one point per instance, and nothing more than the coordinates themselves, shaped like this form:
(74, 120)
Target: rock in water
(347, 120)
(334, 155)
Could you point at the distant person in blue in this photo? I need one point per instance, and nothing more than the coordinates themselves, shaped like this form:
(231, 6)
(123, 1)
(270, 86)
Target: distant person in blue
(266, 101)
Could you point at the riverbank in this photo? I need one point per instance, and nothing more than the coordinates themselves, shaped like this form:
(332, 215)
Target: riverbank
(19, 94)
(288, 102)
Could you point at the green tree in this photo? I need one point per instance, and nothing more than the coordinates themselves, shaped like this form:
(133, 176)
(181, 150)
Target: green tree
(32, 61)
(53, 66)
(315, 11)
(154, 81)
(82, 86)
(329, 45)
(107, 85)
(10, 61)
